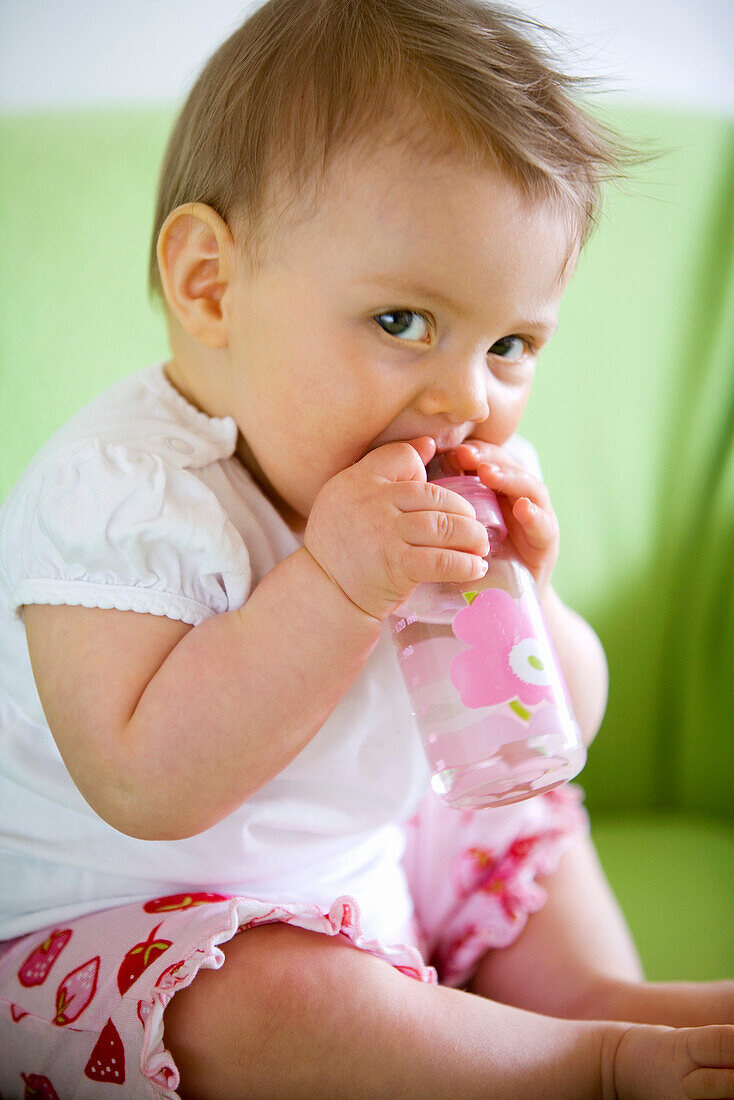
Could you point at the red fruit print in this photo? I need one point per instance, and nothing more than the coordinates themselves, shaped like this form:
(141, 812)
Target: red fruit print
(523, 845)
(181, 901)
(470, 869)
(144, 1009)
(169, 973)
(507, 895)
(139, 958)
(494, 886)
(17, 1013)
(35, 1085)
(266, 918)
(444, 955)
(411, 971)
(107, 1060)
(347, 914)
(76, 991)
(34, 970)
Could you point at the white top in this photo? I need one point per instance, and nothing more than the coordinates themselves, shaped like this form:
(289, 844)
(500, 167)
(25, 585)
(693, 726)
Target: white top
(139, 503)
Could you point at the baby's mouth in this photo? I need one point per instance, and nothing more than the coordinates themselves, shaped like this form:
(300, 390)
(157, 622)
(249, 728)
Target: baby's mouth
(443, 465)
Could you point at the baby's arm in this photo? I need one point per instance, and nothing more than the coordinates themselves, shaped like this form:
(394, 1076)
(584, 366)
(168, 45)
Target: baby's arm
(582, 660)
(166, 730)
(242, 694)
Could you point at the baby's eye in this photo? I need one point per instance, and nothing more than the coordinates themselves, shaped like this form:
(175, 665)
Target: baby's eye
(520, 348)
(398, 319)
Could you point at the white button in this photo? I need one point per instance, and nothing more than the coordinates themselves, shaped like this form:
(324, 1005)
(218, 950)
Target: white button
(180, 445)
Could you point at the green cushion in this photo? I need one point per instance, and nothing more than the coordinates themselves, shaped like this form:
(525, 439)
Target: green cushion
(673, 876)
(633, 416)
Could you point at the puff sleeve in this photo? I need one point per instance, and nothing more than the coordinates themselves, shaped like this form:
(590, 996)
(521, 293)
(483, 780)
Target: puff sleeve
(110, 526)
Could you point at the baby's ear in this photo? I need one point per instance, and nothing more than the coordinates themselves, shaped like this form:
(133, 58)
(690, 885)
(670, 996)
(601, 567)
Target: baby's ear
(196, 255)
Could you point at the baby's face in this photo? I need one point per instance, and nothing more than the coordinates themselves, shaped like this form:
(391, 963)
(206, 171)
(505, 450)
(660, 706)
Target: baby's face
(347, 339)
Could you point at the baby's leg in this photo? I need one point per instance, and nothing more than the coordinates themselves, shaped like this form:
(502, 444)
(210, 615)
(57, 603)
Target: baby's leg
(296, 1014)
(576, 958)
(570, 949)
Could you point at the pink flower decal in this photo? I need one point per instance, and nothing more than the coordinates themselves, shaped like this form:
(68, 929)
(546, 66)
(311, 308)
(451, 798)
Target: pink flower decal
(547, 722)
(505, 661)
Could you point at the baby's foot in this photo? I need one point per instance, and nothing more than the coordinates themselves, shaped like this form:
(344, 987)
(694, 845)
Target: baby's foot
(665, 1063)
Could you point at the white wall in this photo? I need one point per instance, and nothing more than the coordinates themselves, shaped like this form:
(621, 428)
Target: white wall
(60, 53)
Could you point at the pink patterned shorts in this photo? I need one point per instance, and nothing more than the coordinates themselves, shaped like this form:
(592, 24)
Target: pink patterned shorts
(81, 1004)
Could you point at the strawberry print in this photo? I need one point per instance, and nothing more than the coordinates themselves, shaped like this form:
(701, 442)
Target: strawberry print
(509, 896)
(139, 958)
(522, 847)
(76, 991)
(17, 1013)
(169, 975)
(107, 1060)
(266, 918)
(411, 971)
(34, 970)
(472, 866)
(181, 901)
(347, 917)
(144, 1008)
(445, 953)
(37, 1086)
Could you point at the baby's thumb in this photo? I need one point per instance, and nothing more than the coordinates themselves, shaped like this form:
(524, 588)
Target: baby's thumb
(425, 445)
(394, 462)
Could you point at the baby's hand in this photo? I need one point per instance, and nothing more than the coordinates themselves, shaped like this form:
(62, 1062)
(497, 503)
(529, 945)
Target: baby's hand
(532, 527)
(379, 528)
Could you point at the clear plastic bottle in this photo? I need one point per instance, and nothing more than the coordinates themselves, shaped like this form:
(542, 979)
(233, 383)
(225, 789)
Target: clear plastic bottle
(485, 685)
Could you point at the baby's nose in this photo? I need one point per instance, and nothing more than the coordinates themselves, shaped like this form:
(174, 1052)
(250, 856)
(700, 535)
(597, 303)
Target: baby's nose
(459, 393)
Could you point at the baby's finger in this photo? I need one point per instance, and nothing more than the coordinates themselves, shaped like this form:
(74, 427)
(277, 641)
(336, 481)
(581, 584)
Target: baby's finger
(473, 453)
(538, 525)
(420, 496)
(432, 564)
(443, 529)
(514, 482)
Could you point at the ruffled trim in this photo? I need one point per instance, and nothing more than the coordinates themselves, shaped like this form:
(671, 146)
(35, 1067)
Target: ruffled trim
(499, 901)
(343, 918)
(222, 429)
(108, 596)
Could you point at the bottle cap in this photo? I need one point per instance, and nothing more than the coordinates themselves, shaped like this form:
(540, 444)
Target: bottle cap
(444, 470)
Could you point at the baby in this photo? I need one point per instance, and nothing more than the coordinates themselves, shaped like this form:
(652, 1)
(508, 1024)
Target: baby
(368, 214)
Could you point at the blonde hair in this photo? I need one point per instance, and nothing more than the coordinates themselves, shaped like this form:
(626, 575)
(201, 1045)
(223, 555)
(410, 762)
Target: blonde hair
(299, 80)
